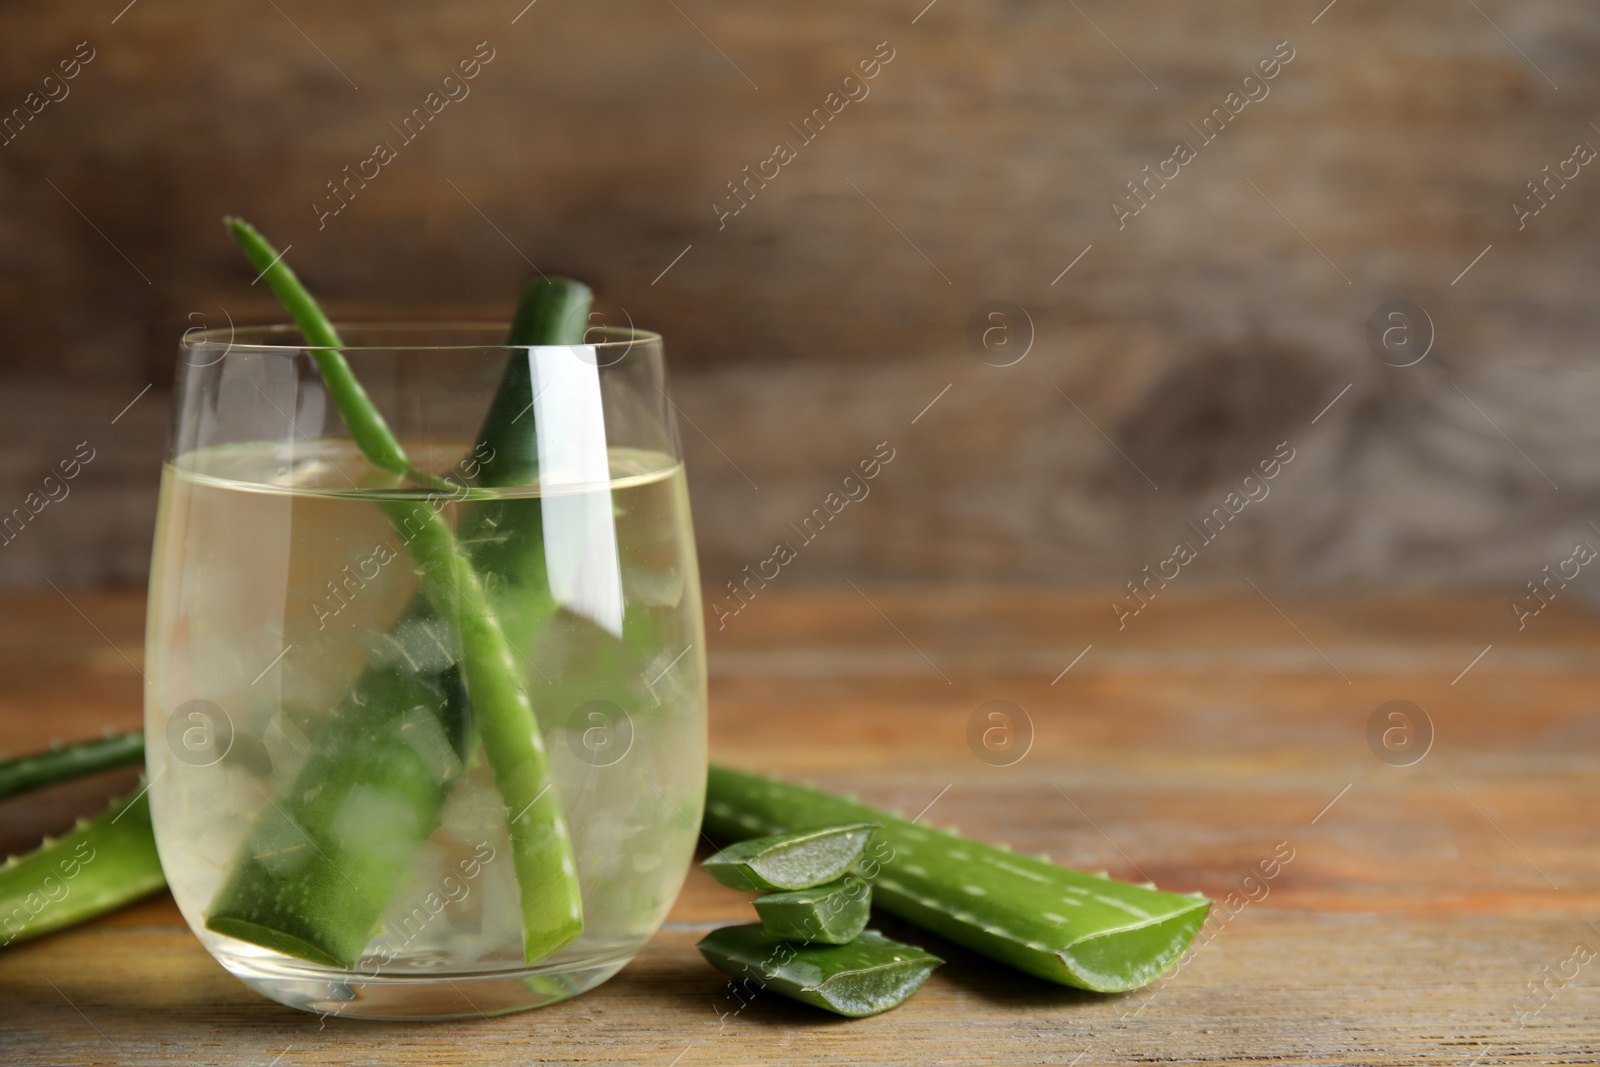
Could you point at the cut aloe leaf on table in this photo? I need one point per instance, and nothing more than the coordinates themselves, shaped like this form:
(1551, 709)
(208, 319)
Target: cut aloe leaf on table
(67, 762)
(830, 914)
(869, 975)
(1062, 925)
(371, 761)
(97, 866)
(801, 860)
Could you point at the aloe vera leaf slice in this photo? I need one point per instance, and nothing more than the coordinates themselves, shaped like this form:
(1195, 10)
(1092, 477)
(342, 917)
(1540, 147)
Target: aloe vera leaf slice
(98, 866)
(869, 975)
(831, 914)
(1058, 924)
(811, 857)
(69, 761)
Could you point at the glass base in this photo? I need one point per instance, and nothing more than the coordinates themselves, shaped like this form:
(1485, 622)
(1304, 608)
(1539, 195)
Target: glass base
(418, 997)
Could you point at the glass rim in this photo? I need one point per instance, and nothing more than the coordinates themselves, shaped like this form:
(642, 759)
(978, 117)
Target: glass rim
(228, 337)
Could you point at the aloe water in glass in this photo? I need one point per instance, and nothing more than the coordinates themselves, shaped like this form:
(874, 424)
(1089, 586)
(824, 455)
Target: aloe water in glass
(325, 805)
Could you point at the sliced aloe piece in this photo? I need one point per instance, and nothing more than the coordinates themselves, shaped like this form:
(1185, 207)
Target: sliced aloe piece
(1078, 929)
(869, 975)
(831, 914)
(802, 860)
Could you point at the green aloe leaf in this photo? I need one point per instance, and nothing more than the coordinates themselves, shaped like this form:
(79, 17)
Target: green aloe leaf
(869, 975)
(831, 914)
(1062, 925)
(792, 860)
(68, 762)
(97, 866)
(325, 858)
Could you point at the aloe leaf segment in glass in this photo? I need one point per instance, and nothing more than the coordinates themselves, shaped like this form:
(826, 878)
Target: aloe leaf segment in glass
(331, 906)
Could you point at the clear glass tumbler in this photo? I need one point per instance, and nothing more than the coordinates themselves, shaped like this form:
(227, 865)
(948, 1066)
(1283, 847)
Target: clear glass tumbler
(428, 745)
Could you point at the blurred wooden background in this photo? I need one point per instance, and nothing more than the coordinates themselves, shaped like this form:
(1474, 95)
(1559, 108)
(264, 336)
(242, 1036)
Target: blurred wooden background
(825, 317)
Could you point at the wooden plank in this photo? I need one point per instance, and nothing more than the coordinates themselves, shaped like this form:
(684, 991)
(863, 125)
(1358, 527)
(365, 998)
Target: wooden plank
(1418, 906)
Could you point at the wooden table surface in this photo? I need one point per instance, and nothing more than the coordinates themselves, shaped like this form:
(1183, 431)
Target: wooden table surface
(1445, 912)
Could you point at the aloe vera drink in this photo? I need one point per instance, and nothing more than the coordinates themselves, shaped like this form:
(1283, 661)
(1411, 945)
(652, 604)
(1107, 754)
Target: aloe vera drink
(279, 582)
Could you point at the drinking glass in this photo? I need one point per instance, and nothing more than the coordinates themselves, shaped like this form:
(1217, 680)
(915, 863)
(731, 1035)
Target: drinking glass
(350, 675)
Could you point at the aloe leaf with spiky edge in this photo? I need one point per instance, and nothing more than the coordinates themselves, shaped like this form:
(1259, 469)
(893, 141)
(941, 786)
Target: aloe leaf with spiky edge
(869, 975)
(791, 860)
(69, 761)
(97, 866)
(831, 914)
(1062, 925)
